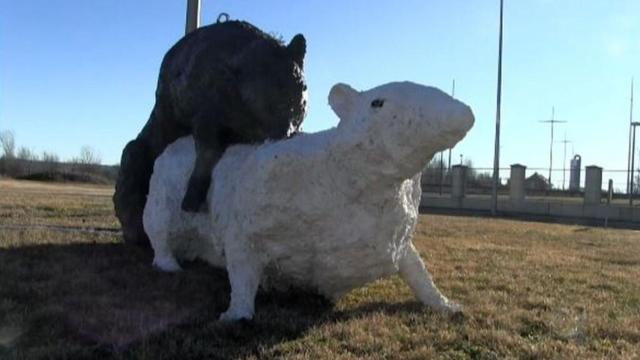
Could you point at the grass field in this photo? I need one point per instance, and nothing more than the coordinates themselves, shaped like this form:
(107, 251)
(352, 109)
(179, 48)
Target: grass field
(529, 290)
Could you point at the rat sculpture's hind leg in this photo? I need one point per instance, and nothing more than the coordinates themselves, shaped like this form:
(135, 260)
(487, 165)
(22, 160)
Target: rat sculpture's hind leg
(163, 257)
(416, 275)
(245, 271)
(210, 146)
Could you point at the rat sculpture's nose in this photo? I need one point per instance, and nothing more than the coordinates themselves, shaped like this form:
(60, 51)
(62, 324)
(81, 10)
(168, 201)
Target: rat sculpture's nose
(434, 121)
(424, 121)
(456, 123)
(465, 116)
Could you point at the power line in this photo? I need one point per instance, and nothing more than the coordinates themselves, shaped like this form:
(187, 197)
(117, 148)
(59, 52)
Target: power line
(552, 121)
(564, 159)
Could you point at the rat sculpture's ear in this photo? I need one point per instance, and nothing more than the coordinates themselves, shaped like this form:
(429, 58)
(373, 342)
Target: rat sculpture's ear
(297, 48)
(342, 99)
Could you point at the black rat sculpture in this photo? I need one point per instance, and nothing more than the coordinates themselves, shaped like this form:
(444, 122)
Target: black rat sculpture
(225, 83)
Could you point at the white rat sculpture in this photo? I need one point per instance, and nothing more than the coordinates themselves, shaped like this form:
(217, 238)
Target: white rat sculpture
(329, 211)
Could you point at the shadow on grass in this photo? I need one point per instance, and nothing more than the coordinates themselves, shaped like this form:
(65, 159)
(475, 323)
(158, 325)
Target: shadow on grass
(105, 300)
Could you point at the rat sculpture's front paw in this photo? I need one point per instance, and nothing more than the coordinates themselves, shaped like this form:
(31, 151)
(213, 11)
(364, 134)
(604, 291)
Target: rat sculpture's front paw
(236, 314)
(448, 307)
(167, 264)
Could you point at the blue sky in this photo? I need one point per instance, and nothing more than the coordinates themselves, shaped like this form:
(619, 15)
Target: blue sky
(76, 73)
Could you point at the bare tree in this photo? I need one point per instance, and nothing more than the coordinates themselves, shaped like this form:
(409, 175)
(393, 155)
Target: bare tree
(88, 156)
(25, 153)
(87, 161)
(50, 157)
(25, 161)
(51, 162)
(8, 142)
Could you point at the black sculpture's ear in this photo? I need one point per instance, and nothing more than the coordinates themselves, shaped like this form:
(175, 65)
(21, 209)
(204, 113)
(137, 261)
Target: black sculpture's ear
(297, 49)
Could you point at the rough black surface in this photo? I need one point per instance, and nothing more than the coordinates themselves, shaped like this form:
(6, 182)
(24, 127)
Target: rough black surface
(225, 83)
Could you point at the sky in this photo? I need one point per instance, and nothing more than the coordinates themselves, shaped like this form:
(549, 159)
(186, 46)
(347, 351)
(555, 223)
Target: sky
(77, 72)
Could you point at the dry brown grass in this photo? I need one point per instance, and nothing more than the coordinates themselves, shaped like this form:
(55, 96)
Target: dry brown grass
(530, 290)
(38, 203)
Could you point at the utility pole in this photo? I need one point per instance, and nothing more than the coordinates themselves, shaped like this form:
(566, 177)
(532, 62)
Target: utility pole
(453, 94)
(551, 122)
(441, 171)
(564, 159)
(629, 172)
(633, 157)
(193, 16)
(496, 150)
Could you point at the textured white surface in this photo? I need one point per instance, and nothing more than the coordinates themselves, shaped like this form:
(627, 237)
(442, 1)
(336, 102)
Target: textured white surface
(328, 211)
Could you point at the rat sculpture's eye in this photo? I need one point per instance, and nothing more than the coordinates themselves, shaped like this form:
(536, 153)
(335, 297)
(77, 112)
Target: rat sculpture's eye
(377, 103)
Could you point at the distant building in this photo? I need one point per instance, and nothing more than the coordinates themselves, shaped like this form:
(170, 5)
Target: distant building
(574, 175)
(536, 182)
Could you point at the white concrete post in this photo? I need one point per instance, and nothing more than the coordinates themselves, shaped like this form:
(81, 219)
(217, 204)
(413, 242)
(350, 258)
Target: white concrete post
(516, 183)
(458, 181)
(193, 15)
(592, 185)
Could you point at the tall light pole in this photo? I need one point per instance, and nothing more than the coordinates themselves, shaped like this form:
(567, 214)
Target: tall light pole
(564, 159)
(629, 173)
(441, 171)
(551, 122)
(633, 157)
(193, 16)
(496, 150)
(453, 94)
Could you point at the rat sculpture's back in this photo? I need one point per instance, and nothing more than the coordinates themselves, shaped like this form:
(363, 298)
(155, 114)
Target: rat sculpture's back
(328, 211)
(225, 84)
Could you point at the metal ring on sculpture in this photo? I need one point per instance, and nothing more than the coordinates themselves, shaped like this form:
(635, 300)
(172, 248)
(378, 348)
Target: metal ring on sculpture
(223, 17)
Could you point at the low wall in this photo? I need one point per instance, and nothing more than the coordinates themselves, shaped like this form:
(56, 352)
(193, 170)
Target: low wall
(589, 209)
(596, 214)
